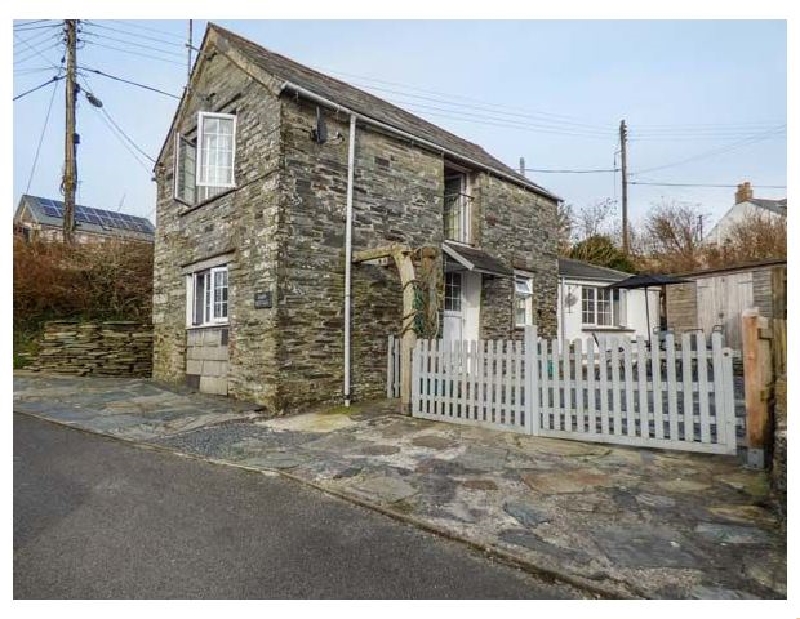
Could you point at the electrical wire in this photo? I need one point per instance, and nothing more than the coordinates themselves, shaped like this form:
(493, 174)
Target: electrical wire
(93, 36)
(41, 137)
(137, 53)
(590, 171)
(717, 151)
(138, 36)
(27, 29)
(39, 53)
(31, 22)
(120, 79)
(37, 39)
(726, 186)
(35, 88)
(130, 24)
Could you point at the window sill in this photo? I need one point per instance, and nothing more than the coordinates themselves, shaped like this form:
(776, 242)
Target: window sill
(217, 325)
(193, 207)
(590, 329)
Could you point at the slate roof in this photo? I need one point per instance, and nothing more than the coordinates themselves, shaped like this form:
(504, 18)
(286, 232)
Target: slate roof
(481, 261)
(49, 212)
(775, 206)
(364, 103)
(578, 269)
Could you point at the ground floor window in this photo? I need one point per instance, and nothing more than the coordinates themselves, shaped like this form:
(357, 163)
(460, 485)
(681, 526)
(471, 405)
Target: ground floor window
(207, 297)
(523, 300)
(601, 307)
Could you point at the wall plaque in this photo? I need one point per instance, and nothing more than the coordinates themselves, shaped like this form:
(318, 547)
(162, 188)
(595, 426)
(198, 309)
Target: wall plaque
(262, 300)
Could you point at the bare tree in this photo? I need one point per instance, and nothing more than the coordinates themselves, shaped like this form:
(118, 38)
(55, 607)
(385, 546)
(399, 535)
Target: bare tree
(565, 223)
(670, 238)
(594, 219)
(756, 237)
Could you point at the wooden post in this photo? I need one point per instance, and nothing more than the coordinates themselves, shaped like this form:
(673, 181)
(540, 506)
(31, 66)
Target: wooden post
(757, 359)
(405, 266)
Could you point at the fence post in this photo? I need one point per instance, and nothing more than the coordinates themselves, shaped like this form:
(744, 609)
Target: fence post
(757, 360)
(531, 380)
(390, 367)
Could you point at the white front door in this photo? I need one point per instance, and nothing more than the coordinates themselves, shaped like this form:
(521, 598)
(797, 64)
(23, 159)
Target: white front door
(462, 304)
(453, 317)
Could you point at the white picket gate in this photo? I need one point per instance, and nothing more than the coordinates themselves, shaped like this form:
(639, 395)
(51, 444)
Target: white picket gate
(623, 392)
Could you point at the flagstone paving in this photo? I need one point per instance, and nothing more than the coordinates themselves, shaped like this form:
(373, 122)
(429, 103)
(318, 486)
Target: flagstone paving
(630, 522)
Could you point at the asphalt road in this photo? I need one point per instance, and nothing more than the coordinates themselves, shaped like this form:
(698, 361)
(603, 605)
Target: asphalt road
(95, 518)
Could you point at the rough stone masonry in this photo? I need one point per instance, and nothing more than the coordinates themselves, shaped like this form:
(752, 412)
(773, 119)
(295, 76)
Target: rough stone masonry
(281, 231)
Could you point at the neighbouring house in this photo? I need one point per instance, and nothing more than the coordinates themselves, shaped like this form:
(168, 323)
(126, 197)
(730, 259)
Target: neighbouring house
(588, 309)
(301, 221)
(43, 218)
(745, 206)
(714, 299)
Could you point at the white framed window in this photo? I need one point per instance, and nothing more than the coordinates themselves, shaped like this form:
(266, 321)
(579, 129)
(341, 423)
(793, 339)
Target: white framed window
(523, 300)
(185, 170)
(205, 168)
(457, 208)
(601, 307)
(207, 297)
(216, 140)
(452, 292)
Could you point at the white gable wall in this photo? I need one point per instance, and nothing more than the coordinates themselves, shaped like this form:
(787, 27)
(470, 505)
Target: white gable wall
(735, 215)
(633, 315)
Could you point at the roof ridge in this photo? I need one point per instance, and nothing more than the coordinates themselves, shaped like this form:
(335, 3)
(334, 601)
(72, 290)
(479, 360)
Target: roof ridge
(597, 266)
(237, 38)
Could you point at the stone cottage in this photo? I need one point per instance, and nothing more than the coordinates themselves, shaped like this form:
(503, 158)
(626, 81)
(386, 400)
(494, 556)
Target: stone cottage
(289, 200)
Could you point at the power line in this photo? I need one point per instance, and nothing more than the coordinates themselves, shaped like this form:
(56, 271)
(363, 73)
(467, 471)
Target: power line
(41, 138)
(120, 79)
(451, 96)
(31, 22)
(138, 36)
(40, 38)
(135, 44)
(35, 88)
(140, 54)
(494, 109)
(37, 52)
(130, 24)
(24, 42)
(722, 185)
(591, 171)
(746, 142)
(28, 28)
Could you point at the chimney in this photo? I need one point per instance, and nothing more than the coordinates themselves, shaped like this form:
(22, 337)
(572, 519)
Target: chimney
(744, 192)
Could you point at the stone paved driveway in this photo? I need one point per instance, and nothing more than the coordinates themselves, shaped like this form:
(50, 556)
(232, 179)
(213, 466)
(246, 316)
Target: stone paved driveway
(630, 522)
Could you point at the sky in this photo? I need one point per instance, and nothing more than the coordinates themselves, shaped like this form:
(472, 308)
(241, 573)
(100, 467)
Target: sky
(704, 101)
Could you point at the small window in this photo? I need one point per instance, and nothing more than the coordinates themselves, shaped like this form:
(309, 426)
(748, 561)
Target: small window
(216, 139)
(204, 169)
(208, 297)
(452, 292)
(523, 301)
(457, 208)
(185, 169)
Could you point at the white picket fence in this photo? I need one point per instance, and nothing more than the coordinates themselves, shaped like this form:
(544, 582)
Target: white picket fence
(622, 392)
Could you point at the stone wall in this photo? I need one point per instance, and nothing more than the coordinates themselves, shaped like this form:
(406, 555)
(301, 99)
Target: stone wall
(207, 359)
(240, 225)
(282, 231)
(398, 194)
(518, 226)
(118, 348)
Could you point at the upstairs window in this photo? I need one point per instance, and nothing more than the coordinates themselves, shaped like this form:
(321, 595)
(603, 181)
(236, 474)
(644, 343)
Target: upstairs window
(207, 297)
(457, 208)
(204, 168)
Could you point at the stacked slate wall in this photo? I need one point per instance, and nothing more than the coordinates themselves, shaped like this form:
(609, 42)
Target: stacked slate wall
(119, 348)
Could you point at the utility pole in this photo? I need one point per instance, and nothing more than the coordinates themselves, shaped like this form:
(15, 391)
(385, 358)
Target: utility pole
(70, 172)
(189, 55)
(623, 140)
(522, 166)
